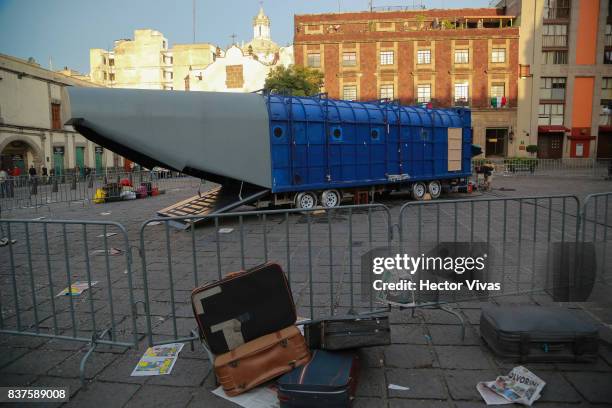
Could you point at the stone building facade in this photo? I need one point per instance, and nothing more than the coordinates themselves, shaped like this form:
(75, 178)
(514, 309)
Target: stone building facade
(444, 58)
(148, 62)
(33, 110)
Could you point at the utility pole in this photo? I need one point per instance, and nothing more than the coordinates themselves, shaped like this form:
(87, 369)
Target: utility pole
(194, 19)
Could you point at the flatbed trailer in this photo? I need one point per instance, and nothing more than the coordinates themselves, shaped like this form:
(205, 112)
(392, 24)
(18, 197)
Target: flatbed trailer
(303, 151)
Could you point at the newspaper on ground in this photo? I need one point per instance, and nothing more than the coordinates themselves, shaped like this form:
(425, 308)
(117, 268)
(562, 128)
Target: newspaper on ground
(263, 396)
(105, 213)
(154, 223)
(520, 386)
(225, 230)
(38, 218)
(76, 288)
(158, 360)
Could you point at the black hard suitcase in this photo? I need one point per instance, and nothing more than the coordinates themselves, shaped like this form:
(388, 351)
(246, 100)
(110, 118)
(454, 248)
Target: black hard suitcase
(529, 333)
(243, 306)
(347, 332)
(329, 380)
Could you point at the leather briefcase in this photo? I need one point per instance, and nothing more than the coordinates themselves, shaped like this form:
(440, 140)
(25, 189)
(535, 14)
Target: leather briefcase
(243, 306)
(261, 360)
(347, 332)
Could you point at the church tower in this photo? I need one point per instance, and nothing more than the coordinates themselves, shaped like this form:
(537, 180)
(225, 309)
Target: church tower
(261, 46)
(261, 25)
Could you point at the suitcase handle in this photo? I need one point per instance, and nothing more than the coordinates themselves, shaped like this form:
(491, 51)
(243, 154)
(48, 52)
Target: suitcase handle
(234, 274)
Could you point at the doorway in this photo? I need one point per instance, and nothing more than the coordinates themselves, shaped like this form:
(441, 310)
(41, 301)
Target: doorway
(496, 142)
(550, 145)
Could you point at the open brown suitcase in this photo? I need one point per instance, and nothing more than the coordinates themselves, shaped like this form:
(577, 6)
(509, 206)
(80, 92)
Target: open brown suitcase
(260, 360)
(243, 306)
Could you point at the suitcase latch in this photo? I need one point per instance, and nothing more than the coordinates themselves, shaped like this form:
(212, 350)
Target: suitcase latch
(233, 364)
(284, 343)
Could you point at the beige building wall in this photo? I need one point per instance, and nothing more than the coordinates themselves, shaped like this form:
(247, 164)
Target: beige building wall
(28, 125)
(188, 58)
(532, 25)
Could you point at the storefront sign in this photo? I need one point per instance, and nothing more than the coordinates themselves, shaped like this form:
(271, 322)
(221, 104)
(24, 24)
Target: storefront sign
(58, 149)
(99, 149)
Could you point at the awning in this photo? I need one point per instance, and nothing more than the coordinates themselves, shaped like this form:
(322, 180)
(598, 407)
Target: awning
(552, 128)
(603, 128)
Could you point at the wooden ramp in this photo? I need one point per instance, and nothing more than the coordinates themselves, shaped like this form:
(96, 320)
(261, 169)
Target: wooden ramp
(217, 200)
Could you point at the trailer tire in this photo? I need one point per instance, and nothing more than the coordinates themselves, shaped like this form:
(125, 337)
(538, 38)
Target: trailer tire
(418, 191)
(330, 198)
(305, 200)
(434, 188)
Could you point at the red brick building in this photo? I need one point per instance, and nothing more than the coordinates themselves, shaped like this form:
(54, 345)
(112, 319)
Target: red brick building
(451, 57)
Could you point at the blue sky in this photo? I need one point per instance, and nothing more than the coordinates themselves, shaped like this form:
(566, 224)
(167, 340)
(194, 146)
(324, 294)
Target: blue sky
(65, 30)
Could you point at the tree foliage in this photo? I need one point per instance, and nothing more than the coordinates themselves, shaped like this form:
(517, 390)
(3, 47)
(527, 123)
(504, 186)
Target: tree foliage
(297, 80)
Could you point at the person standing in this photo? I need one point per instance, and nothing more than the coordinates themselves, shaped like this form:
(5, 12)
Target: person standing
(44, 173)
(3, 183)
(32, 171)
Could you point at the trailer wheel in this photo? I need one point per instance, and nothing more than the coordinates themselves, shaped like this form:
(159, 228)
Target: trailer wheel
(330, 198)
(418, 191)
(305, 201)
(434, 188)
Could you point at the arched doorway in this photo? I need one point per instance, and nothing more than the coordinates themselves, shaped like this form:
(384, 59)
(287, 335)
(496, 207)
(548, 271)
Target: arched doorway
(16, 152)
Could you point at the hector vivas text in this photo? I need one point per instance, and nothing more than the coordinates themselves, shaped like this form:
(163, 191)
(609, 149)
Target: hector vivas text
(406, 264)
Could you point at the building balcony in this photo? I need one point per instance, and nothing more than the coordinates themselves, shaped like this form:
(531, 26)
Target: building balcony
(462, 103)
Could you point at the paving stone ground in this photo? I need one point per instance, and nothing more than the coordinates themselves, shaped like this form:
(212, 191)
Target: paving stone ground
(427, 353)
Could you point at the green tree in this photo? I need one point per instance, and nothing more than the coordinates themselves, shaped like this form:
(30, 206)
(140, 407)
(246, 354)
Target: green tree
(300, 81)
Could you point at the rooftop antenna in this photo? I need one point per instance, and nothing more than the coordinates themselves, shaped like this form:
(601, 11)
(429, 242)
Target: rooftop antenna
(233, 36)
(194, 19)
(371, 6)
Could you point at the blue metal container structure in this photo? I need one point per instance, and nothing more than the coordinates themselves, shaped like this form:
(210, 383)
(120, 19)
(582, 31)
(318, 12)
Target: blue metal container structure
(319, 143)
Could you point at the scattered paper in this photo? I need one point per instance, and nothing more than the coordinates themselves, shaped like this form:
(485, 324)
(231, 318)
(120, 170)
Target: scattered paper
(105, 213)
(38, 219)
(520, 386)
(158, 360)
(5, 241)
(154, 223)
(108, 234)
(398, 387)
(261, 397)
(111, 251)
(76, 288)
(225, 230)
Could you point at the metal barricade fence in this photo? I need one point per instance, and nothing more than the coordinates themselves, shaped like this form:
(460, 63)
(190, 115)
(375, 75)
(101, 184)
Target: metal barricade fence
(44, 263)
(523, 239)
(597, 230)
(40, 191)
(320, 250)
(564, 167)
